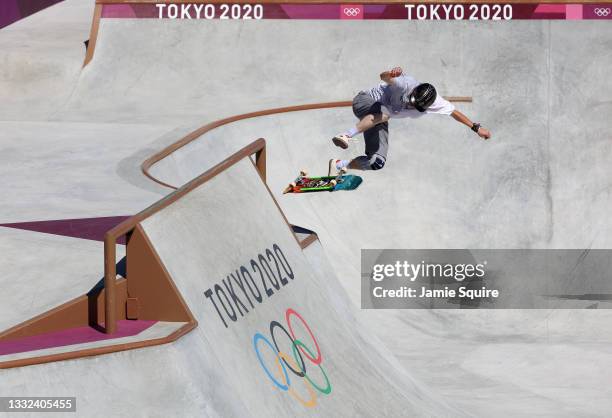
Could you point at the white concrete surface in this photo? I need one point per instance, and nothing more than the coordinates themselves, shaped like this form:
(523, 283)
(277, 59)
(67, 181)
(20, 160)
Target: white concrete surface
(74, 170)
(41, 58)
(443, 188)
(43, 271)
(234, 208)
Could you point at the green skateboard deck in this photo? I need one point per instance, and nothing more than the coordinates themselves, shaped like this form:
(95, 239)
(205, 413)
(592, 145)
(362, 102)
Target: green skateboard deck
(306, 184)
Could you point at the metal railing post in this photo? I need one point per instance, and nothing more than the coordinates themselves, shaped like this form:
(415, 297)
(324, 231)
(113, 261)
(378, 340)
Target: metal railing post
(110, 277)
(260, 162)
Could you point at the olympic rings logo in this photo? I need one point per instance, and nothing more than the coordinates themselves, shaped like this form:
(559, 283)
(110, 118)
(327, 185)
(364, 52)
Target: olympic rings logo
(295, 363)
(351, 11)
(602, 12)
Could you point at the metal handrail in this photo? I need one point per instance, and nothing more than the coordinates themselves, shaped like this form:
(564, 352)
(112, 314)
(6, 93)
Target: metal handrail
(257, 147)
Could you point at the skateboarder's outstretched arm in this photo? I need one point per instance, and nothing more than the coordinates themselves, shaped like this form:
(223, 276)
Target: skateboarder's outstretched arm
(484, 133)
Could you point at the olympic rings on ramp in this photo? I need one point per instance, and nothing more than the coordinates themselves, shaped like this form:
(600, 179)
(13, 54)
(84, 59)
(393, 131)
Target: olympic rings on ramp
(294, 363)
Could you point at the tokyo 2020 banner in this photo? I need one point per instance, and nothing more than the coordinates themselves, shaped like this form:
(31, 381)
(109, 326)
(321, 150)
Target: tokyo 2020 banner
(398, 11)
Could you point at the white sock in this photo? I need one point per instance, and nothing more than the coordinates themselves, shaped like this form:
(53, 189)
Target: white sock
(352, 132)
(340, 164)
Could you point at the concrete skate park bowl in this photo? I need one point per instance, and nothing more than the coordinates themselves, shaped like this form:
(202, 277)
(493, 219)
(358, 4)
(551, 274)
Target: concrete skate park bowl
(542, 182)
(174, 277)
(420, 211)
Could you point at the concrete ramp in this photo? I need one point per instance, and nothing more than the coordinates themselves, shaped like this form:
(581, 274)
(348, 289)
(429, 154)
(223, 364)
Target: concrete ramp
(276, 333)
(269, 316)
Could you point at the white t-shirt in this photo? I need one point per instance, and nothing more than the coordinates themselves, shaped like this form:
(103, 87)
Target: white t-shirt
(390, 95)
(440, 106)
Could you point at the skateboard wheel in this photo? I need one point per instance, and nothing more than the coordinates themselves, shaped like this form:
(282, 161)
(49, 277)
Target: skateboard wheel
(343, 171)
(333, 183)
(289, 188)
(303, 173)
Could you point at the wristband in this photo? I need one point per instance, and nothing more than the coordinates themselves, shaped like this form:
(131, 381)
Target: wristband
(475, 127)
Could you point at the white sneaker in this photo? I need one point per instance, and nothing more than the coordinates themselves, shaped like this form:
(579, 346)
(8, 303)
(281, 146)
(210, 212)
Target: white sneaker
(333, 170)
(341, 140)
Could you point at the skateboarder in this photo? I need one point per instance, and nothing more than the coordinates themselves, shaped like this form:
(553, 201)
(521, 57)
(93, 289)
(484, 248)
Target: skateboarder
(399, 96)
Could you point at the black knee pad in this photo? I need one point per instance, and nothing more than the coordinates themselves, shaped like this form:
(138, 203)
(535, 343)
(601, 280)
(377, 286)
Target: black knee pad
(378, 163)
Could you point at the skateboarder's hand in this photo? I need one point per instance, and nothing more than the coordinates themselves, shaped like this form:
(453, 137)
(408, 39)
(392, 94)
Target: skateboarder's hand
(387, 76)
(484, 133)
(395, 72)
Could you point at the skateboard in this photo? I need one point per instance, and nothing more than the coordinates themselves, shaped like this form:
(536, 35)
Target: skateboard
(304, 183)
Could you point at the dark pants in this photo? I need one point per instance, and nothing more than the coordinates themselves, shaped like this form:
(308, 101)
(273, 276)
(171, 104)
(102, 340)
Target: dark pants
(376, 138)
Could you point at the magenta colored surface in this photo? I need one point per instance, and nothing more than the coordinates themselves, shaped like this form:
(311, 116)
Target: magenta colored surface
(391, 11)
(14, 10)
(312, 11)
(118, 11)
(130, 11)
(9, 12)
(379, 11)
(551, 8)
(598, 11)
(374, 8)
(351, 11)
(573, 11)
(86, 228)
(79, 335)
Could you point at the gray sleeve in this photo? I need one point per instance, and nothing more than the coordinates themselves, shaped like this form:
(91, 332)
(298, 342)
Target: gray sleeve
(399, 84)
(397, 88)
(408, 83)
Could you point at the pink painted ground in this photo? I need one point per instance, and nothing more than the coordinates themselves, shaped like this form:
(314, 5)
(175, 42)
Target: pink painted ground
(125, 328)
